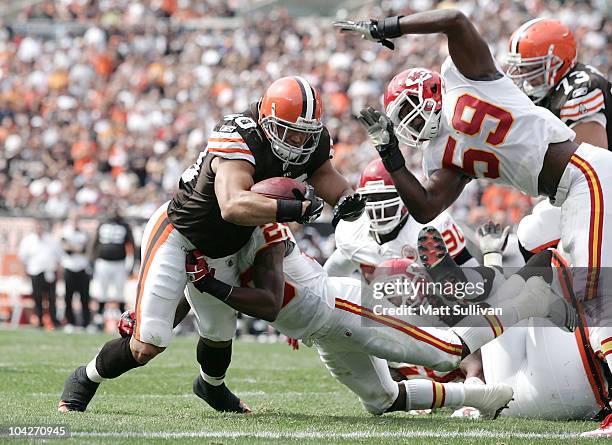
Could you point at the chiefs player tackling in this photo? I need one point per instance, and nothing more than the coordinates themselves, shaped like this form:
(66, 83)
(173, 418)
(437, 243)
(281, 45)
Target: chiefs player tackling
(215, 212)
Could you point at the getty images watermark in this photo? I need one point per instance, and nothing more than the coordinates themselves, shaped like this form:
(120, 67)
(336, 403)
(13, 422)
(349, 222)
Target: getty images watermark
(408, 297)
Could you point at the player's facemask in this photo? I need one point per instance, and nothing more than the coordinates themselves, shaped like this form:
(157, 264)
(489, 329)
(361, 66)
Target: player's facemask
(415, 122)
(292, 142)
(385, 211)
(535, 76)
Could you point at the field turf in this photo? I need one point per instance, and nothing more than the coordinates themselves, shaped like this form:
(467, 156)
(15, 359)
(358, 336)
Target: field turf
(294, 398)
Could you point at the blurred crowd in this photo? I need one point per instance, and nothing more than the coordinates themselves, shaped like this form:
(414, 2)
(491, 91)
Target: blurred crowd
(114, 110)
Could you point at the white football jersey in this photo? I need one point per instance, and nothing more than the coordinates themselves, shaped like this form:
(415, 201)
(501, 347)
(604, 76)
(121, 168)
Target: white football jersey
(490, 129)
(353, 239)
(307, 303)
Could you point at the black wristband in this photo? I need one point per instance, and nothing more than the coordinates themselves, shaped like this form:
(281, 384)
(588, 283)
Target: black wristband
(389, 28)
(288, 210)
(214, 287)
(393, 160)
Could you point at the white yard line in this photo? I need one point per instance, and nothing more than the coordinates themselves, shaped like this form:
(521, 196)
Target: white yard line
(330, 435)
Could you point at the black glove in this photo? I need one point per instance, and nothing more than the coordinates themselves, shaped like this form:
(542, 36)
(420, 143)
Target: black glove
(348, 208)
(382, 135)
(374, 30)
(314, 209)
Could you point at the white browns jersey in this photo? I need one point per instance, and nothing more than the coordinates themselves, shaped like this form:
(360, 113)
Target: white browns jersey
(353, 239)
(307, 303)
(490, 129)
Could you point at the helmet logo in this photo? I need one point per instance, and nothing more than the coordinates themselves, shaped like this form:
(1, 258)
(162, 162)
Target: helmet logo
(417, 75)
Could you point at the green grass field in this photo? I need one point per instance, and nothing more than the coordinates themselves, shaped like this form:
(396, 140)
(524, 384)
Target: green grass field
(293, 397)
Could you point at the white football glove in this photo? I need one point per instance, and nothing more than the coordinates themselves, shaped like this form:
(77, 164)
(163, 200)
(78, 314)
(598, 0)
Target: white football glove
(492, 240)
(381, 133)
(378, 126)
(374, 30)
(365, 28)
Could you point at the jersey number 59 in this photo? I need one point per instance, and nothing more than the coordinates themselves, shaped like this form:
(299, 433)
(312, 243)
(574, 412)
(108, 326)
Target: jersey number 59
(477, 110)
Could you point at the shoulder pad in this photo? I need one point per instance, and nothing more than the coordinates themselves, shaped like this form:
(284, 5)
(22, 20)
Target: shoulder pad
(581, 105)
(578, 95)
(234, 137)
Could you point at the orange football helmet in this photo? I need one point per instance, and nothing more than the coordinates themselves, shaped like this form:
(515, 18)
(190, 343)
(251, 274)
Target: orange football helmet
(290, 115)
(541, 53)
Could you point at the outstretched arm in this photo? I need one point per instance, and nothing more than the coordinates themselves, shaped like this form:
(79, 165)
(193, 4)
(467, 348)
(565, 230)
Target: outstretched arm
(467, 48)
(428, 200)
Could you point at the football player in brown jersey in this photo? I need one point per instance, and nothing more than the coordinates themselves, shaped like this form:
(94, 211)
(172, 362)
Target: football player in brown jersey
(215, 212)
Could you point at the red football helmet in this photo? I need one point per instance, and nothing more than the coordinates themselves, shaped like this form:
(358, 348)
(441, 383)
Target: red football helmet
(413, 102)
(541, 53)
(290, 115)
(384, 205)
(397, 266)
(406, 270)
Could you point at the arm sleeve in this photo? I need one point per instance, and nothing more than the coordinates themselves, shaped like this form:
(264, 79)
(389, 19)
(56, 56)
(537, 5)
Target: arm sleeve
(338, 265)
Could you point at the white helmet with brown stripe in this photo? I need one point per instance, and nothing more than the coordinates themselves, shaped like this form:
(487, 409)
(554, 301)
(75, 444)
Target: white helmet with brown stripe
(290, 115)
(541, 53)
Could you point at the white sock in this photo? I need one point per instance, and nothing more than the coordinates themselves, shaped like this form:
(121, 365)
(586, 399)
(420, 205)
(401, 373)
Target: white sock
(92, 372)
(426, 394)
(214, 381)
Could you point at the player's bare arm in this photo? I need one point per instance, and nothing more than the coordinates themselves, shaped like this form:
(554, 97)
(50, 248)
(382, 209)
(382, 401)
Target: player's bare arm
(264, 301)
(467, 48)
(592, 133)
(329, 184)
(336, 191)
(268, 275)
(436, 194)
(238, 204)
(425, 201)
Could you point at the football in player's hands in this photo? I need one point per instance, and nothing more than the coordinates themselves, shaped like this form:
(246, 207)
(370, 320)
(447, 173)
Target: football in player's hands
(279, 188)
(348, 208)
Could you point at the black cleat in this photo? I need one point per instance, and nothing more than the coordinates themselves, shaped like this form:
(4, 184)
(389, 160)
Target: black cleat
(441, 268)
(78, 391)
(220, 398)
(434, 256)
